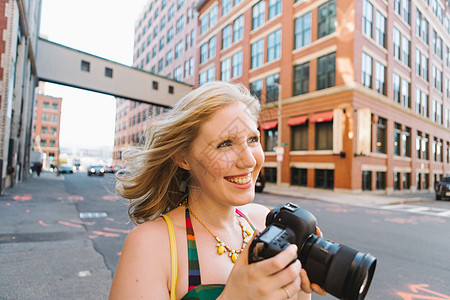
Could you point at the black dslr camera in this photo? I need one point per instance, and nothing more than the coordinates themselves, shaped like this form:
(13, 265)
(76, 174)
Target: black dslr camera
(340, 270)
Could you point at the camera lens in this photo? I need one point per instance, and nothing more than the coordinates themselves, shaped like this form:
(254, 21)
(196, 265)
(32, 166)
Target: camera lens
(340, 270)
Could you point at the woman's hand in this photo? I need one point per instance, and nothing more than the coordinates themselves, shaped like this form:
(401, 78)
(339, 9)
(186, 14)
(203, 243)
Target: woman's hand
(273, 278)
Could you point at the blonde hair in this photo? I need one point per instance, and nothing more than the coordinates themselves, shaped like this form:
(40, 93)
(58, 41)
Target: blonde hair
(153, 182)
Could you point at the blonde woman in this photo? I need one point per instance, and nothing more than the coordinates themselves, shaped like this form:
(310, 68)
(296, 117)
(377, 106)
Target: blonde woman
(198, 168)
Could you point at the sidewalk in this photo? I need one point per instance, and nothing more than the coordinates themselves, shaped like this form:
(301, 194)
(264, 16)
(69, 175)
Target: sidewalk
(40, 256)
(344, 197)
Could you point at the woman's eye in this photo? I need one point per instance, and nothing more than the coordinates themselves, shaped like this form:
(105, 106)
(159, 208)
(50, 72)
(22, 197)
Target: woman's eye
(253, 139)
(226, 143)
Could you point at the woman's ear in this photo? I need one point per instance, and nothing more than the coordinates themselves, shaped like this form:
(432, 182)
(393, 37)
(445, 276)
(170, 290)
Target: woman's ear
(181, 162)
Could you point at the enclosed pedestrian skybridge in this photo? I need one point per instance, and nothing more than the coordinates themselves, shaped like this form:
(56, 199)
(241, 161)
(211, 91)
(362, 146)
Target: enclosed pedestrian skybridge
(63, 65)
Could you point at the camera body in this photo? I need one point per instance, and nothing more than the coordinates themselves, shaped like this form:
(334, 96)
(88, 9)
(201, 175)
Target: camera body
(340, 270)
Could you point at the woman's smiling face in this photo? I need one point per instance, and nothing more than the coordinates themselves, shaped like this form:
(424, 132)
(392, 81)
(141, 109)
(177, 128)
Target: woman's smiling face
(226, 157)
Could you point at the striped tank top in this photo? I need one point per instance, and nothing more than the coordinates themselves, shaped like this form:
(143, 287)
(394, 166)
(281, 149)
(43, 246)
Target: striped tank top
(198, 291)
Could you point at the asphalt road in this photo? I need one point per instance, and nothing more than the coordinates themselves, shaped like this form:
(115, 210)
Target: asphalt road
(411, 242)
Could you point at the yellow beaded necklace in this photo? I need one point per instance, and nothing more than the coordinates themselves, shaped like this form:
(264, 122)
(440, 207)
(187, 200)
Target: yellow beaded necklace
(221, 246)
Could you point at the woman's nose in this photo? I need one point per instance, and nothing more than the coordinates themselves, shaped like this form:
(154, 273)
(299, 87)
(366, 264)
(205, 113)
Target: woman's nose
(246, 159)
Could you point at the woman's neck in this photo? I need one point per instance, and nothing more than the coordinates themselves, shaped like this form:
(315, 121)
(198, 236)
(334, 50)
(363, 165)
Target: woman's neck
(211, 212)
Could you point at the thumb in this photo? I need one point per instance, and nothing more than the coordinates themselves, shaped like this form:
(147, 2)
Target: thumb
(243, 257)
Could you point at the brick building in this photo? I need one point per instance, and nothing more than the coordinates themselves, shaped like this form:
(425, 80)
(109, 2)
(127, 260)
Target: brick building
(364, 86)
(165, 34)
(19, 22)
(46, 126)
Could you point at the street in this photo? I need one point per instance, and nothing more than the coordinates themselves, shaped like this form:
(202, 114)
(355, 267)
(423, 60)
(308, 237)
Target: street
(410, 241)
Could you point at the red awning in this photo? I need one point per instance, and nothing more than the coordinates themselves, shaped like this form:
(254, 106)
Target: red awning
(297, 120)
(322, 117)
(268, 125)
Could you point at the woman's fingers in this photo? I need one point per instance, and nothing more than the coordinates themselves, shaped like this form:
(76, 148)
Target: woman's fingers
(277, 263)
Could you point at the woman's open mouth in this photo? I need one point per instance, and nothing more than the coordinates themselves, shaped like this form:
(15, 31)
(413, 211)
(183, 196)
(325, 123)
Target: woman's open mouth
(240, 179)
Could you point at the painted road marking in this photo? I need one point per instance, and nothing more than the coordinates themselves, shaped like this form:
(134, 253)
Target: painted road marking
(433, 211)
(421, 291)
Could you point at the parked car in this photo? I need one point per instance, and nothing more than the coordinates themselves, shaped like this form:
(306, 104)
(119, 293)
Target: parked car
(443, 188)
(96, 170)
(260, 183)
(110, 169)
(65, 168)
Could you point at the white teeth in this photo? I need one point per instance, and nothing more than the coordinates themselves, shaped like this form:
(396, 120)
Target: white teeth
(241, 180)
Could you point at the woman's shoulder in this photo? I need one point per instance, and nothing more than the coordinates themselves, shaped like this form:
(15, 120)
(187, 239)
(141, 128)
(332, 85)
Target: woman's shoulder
(256, 213)
(144, 259)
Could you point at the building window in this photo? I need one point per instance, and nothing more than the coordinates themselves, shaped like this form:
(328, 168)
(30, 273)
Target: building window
(381, 135)
(258, 12)
(381, 180)
(237, 64)
(406, 142)
(160, 65)
(366, 79)
(203, 53)
(324, 179)
(380, 78)
(274, 45)
(213, 16)
(274, 8)
(327, 18)
(396, 86)
(425, 147)
(108, 72)
(270, 174)
(44, 130)
(212, 47)
(169, 57)
(178, 73)
(225, 69)
(367, 21)
(202, 78)
(301, 79)
(397, 139)
(155, 85)
(326, 74)
(406, 181)
(397, 6)
(272, 87)
(380, 35)
(424, 66)
(406, 46)
(238, 28)
(406, 11)
(396, 37)
(425, 26)
(256, 88)
(179, 49)
(85, 66)
(302, 33)
(366, 180)
(204, 24)
(211, 74)
(226, 37)
(324, 136)
(270, 139)
(46, 105)
(226, 7)
(299, 177)
(180, 24)
(257, 53)
(299, 137)
(406, 97)
(397, 180)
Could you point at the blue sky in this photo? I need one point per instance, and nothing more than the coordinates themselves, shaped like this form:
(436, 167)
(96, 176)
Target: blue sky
(101, 27)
